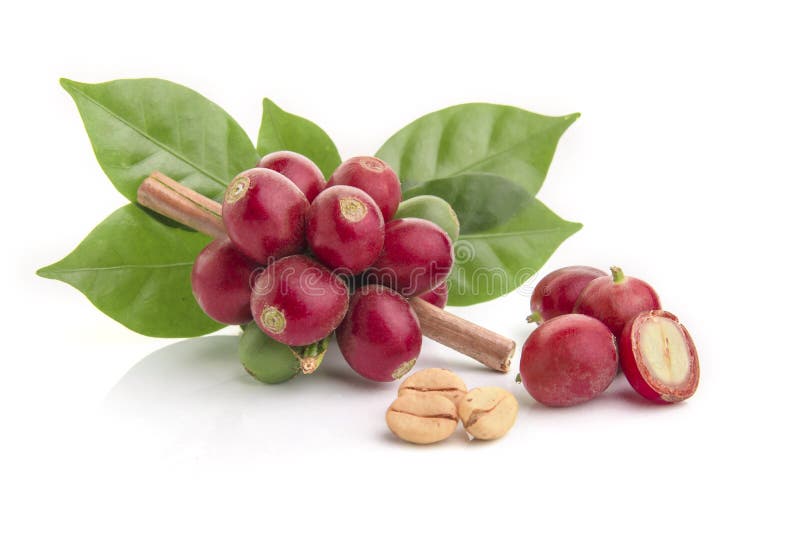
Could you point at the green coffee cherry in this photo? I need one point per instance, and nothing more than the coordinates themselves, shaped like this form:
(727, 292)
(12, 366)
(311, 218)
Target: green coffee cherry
(272, 362)
(432, 208)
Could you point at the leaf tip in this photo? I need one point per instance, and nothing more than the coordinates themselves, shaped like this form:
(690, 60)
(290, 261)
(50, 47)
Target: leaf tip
(44, 272)
(71, 86)
(266, 102)
(66, 83)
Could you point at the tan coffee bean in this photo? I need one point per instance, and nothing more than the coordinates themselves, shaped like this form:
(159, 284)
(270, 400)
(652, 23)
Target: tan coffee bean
(435, 382)
(422, 418)
(488, 413)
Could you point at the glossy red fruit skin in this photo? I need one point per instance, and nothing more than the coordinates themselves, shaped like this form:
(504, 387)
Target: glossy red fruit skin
(344, 229)
(436, 296)
(616, 302)
(264, 215)
(298, 301)
(380, 336)
(300, 170)
(375, 177)
(417, 256)
(221, 282)
(556, 293)
(568, 360)
(637, 372)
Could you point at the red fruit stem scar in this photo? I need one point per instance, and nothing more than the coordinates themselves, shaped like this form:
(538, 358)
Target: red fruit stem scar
(535, 317)
(617, 275)
(237, 190)
(372, 164)
(176, 201)
(352, 209)
(403, 368)
(273, 320)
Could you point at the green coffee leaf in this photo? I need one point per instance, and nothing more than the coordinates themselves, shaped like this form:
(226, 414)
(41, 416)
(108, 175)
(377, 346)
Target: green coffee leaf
(496, 261)
(480, 200)
(469, 138)
(139, 126)
(283, 131)
(136, 270)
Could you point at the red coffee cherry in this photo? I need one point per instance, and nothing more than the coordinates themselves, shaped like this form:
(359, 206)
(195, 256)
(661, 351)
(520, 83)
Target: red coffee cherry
(344, 229)
(616, 299)
(373, 176)
(380, 336)
(659, 358)
(299, 169)
(221, 282)
(264, 215)
(556, 293)
(417, 256)
(297, 301)
(568, 360)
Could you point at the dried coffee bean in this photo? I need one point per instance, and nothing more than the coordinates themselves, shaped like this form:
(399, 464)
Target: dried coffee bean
(435, 381)
(488, 413)
(422, 418)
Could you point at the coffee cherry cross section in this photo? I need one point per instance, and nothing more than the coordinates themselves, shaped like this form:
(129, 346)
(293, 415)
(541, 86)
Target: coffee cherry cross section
(304, 261)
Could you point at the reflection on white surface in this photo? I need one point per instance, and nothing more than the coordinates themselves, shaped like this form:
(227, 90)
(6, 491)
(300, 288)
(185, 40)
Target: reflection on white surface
(193, 399)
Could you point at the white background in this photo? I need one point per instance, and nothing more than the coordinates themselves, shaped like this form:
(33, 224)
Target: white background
(683, 169)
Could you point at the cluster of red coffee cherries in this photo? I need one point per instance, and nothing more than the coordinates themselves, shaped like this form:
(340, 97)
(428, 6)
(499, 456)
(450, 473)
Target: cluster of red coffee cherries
(304, 258)
(591, 325)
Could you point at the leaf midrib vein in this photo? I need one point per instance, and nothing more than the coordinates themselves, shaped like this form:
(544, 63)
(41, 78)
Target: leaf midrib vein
(485, 159)
(151, 139)
(121, 267)
(508, 234)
